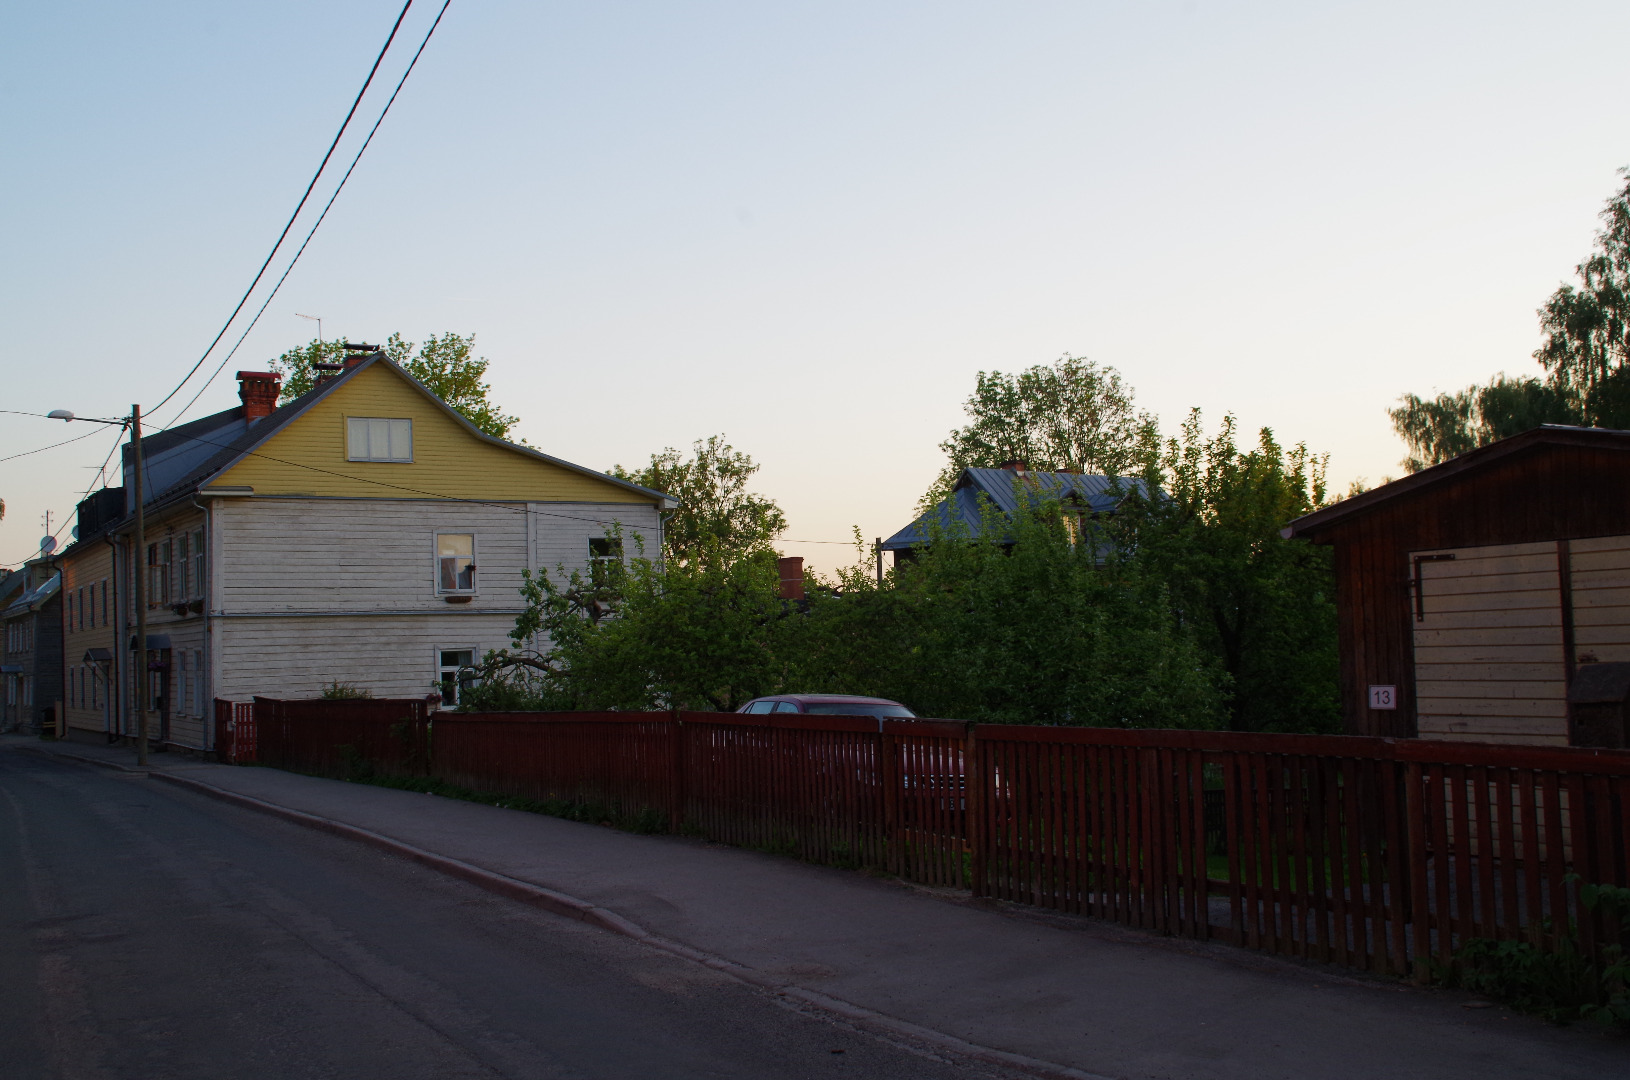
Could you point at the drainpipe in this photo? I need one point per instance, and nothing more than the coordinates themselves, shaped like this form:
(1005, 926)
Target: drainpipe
(209, 640)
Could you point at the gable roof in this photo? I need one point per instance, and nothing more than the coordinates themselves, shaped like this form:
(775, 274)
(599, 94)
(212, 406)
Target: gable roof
(1473, 460)
(234, 446)
(1002, 490)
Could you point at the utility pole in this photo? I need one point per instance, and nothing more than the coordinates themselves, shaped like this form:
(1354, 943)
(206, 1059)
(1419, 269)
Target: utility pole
(878, 549)
(138, 565)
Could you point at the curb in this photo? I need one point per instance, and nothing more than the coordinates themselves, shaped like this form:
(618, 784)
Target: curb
(559, 903)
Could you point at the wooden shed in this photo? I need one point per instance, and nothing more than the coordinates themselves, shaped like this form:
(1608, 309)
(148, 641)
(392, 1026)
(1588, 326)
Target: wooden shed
(1468, 594)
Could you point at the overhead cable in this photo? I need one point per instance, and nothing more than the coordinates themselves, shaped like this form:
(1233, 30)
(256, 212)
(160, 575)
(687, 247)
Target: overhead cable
(227, 359)
(281, 236)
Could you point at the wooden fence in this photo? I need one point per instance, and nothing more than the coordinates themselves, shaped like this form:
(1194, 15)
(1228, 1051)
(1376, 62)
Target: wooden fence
(1375, 854)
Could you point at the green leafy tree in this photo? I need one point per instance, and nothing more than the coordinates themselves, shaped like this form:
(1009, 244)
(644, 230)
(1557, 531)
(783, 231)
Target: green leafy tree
(717, 515)
(1032, 621)
(443, 363)
(1262, 607)
(1071, 414)
(1584, 355)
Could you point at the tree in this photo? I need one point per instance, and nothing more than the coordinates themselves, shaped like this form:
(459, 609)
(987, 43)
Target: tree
(1584, 356)
(1262, 607)
(717, 515)
(1448, 425)
(1072, 414)
(443, 363)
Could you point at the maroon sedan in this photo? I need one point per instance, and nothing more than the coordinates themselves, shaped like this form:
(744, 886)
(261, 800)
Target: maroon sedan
(829, 705)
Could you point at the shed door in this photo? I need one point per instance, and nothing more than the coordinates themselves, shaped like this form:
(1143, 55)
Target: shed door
(1489, 660)
(1601, 598)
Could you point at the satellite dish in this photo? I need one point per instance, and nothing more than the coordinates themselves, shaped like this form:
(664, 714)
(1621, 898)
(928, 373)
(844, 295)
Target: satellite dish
(48, 545)
(75, 532)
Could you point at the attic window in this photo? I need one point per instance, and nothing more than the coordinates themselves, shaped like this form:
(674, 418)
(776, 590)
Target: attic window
(369, 438)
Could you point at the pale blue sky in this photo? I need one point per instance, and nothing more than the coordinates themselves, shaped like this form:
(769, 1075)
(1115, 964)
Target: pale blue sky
(807, 227)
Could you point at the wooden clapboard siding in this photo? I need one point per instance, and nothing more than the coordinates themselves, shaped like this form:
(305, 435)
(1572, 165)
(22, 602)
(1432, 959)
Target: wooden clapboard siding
(361, 554)
(308, 455)
(1545, 485)
(1491, 615)
(1601, 599)
(86, 565)
(389, 656)
(561, 531)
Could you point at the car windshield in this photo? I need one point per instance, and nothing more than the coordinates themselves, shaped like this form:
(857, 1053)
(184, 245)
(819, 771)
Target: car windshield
(856, 708)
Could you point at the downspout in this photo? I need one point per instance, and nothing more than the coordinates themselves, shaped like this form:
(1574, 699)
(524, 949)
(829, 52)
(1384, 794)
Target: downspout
(113, 721)
(209, 639)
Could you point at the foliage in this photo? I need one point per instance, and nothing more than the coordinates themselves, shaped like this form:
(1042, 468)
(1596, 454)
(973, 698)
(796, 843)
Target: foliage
(443, 363)
(1072, 414)
(1584, 355)
(1451, 424)
(1557, 980)
(1047, 628)
(1262, 607)
(716, 511)
(338, 691)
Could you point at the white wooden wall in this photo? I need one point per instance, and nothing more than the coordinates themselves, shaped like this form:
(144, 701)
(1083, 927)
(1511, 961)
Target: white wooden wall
(1490, 663)
(308, 592)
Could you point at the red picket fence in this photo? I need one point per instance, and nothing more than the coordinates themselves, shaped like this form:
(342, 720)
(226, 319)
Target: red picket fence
(235, 741)
(1370, 853)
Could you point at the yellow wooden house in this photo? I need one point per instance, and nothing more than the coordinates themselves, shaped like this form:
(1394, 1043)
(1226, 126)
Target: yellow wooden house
(363, 534)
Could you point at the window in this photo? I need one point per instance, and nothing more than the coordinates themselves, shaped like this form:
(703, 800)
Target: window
(105, 601)
(198, 562)
(448, 673)
(455, 562)
(158, 574)
(604, 553)
(81, 605)
(369, 438)
(70, 606)
(785, 707)
(761, 706)
(183, 567)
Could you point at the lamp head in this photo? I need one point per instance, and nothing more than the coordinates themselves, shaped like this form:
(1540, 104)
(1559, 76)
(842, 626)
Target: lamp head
(59, 414)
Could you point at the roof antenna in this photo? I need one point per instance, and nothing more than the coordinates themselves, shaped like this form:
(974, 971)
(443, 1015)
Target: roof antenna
(318, 319)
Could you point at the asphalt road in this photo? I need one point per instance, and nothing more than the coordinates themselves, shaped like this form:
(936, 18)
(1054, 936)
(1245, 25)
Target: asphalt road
(149, 932)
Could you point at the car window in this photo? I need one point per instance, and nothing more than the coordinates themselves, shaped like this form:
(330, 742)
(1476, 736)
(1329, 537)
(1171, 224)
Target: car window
(858, 708)
(785, 706)
(759, 706)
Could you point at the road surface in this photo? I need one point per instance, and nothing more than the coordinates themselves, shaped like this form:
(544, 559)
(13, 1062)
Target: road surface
(150, 932)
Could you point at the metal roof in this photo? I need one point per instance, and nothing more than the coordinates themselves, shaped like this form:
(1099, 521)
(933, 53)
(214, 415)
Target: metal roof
(34, 597)
(1003, 489)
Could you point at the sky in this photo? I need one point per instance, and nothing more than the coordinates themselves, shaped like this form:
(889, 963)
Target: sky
(806, 227)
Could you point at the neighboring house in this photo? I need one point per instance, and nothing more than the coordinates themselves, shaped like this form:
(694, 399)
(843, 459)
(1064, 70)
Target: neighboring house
(1469, 594)
(364, 534)
(32, 665)
(91, 593)
(1002, 490)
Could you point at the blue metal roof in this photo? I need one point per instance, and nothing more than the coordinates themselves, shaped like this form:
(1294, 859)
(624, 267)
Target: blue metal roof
(1003, 489)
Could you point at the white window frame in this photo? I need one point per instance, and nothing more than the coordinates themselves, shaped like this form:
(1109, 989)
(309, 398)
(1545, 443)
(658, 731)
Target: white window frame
(351, 453)
(475, 654)
(475, 561)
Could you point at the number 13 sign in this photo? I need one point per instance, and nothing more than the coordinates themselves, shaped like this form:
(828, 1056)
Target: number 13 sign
(1383, 697)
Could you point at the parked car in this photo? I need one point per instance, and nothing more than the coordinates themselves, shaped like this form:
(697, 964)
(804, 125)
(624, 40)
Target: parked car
(829, 705)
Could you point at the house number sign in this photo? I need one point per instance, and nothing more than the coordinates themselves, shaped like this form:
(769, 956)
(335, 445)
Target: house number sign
(1383, 697)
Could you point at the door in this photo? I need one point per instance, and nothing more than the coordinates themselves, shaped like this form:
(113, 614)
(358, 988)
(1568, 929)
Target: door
(1490, 656)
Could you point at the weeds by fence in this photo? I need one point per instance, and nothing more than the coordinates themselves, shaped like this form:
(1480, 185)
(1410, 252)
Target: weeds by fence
(1389, 856)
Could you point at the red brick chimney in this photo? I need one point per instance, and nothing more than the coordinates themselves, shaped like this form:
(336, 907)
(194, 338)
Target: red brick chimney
(792, 577)
(258, 391)
(1014, 465)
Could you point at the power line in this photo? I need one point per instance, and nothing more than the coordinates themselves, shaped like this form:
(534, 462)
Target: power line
(115, 448)
(281, 236)
(53, 446)
(222, 365)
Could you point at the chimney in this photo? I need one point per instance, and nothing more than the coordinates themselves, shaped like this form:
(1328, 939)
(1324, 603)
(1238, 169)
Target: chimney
(792, 577)
(258, 391)
(1014, 465)
(356, 354)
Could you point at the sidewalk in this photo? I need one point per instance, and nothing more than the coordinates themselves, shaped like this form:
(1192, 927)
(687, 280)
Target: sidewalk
(1082, 995)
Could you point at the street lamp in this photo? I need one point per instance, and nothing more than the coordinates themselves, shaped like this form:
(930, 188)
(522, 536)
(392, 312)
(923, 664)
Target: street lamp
(133, 422)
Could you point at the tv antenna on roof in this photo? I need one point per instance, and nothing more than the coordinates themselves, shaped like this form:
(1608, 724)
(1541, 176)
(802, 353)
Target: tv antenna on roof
(318, 319)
